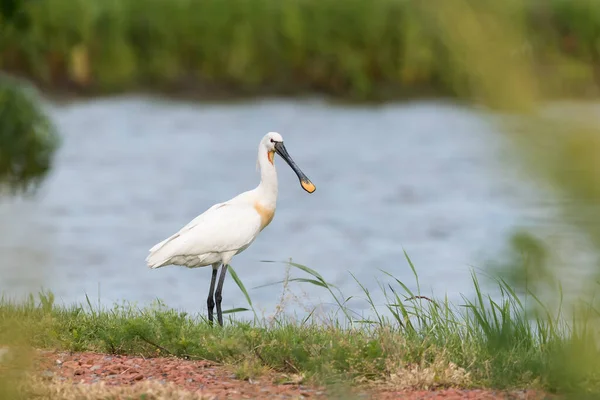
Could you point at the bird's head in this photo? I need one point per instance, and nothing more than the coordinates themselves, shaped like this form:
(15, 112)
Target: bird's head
(273, 142)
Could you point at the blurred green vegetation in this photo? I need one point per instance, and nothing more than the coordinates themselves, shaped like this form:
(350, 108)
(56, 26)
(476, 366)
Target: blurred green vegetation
(28, 139)
(381, 49)
(28, 142)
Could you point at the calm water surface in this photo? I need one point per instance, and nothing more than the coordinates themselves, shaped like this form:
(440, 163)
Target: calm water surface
(432, 179)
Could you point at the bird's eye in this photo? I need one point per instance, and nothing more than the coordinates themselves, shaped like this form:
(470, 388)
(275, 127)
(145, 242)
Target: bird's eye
(272, 141)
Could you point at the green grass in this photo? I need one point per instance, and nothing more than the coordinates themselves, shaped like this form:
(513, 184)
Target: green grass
(381, 49)
(422, 341)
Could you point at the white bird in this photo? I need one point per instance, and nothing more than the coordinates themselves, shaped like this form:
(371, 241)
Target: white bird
(228, 228)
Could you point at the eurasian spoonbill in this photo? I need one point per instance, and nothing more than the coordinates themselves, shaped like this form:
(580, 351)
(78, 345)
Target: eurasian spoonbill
(228, 228)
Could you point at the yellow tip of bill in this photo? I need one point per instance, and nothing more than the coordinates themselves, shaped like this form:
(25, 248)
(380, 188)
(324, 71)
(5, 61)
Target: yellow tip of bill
(308, 186)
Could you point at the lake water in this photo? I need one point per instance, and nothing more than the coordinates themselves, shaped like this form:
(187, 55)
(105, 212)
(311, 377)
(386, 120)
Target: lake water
(434, 179)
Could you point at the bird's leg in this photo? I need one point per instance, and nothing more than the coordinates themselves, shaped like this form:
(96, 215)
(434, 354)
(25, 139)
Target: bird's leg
(218, 296)
(210, 303)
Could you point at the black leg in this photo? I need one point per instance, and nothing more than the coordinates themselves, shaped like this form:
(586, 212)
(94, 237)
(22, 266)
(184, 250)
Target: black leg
(218, 294)
(210, 303)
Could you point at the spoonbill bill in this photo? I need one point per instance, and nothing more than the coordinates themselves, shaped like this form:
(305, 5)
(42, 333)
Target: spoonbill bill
(228, 228)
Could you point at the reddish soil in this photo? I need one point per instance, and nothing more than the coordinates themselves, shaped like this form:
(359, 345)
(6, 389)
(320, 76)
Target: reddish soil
(214, 381)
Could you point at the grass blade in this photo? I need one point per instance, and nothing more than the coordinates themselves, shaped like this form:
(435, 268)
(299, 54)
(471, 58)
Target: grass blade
(239, 283)
(235, 310)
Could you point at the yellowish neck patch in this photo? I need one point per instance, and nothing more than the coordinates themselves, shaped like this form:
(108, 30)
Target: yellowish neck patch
(271, 156)
(266, 214)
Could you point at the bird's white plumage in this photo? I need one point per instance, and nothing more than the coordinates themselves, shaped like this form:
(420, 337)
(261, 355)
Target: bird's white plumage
(220, 232)
(227, 228)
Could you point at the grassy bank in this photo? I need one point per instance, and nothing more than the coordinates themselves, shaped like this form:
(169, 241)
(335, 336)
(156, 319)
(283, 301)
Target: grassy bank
(424, 341)
(363, 50)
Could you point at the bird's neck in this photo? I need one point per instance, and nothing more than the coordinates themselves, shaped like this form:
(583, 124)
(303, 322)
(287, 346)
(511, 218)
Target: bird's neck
(268, 178)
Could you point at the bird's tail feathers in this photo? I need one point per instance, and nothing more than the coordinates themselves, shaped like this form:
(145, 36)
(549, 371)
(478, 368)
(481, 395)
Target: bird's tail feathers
(159, 255)
(156, 260)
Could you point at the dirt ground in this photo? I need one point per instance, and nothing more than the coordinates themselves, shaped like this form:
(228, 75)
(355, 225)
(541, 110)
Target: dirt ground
(94, 376)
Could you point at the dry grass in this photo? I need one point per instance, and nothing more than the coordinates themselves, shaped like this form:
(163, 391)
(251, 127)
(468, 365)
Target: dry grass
(43, 389)
(436, 375)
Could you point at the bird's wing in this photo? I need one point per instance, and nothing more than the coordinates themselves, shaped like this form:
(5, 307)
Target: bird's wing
(222, 228)
(187, 227)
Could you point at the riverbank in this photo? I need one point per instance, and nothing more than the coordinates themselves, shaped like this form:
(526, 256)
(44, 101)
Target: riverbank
(91, 376)
(380, 50)
(426, 345)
